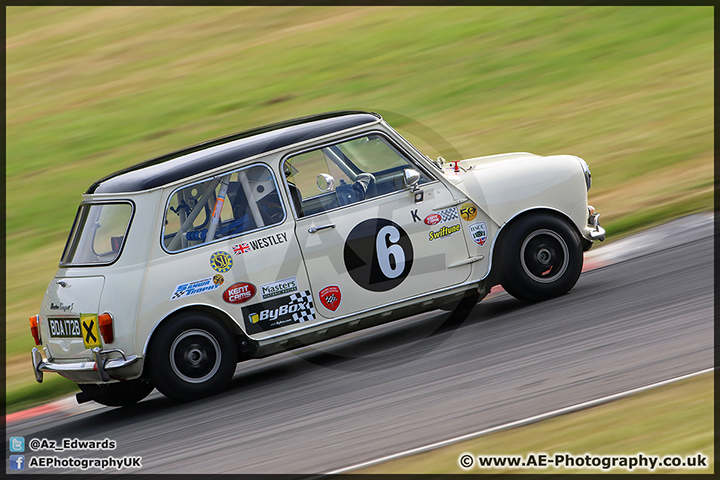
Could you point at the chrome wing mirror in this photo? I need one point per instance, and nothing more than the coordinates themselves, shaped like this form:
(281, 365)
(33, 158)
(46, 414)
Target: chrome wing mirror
(325, 182)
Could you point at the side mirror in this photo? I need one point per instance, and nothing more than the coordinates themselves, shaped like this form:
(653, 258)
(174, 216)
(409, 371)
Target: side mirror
(325, 182)
(411, 177)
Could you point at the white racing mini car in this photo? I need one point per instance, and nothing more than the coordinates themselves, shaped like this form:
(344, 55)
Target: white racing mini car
(178, 268)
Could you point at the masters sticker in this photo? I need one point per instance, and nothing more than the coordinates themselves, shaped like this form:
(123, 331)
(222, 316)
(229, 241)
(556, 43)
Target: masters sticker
(478, 232)
(198, 286)
(444, 232)
(278, 288)
(279, 312)
(468, 212)
(221, 262)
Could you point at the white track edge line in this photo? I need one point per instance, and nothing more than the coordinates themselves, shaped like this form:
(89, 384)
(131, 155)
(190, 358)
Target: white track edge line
(518, 423)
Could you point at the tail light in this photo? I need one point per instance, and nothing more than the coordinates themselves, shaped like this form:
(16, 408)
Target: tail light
(35, 329)
(105, 322)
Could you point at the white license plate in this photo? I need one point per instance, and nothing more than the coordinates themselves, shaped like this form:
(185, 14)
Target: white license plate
(65, 327)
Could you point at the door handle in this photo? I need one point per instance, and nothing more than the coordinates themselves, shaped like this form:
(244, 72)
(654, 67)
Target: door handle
(322, 227)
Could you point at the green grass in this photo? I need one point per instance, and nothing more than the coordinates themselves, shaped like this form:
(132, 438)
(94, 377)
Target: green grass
(674, 419)
(91, 90)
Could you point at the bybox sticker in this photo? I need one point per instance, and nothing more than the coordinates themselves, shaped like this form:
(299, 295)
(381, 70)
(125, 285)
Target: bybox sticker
(264, 316)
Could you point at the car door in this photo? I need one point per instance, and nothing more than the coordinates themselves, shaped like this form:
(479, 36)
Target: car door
(367, 239)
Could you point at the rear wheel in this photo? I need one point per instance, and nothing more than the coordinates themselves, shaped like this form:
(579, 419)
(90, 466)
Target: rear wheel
(121, 394)
(541, 258)
(192, 356)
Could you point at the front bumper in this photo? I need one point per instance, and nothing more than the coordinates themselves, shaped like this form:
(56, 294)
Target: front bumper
(597, 232)
(97, 370)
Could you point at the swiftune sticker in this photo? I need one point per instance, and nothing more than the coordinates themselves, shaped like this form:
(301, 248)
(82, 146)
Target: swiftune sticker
(444, 232)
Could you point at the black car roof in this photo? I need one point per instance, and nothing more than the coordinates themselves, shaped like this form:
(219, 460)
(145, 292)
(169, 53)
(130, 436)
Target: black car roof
(180, 164)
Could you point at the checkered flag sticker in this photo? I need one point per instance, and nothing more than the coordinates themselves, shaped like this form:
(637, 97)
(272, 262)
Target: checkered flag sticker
(306, 312)
(449, 214)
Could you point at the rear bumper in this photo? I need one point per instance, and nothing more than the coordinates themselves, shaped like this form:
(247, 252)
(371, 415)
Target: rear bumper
(90, 371)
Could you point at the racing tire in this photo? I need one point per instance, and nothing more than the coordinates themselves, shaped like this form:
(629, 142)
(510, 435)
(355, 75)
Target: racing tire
(540, 258)
(121, 394)
(192, 356)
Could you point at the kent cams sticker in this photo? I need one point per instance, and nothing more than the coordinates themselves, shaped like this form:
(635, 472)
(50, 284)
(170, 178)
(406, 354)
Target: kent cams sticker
(239, 293)
(295, 308)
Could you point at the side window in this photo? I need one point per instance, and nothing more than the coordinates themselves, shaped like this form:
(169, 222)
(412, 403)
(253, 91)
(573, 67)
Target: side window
(344, 173)
(238, 202)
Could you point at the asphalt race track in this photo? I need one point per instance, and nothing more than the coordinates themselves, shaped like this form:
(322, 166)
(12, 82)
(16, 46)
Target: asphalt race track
(644, 317)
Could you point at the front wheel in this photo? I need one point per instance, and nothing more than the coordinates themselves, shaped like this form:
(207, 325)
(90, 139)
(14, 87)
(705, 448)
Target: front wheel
(192, 356)
(541, 258)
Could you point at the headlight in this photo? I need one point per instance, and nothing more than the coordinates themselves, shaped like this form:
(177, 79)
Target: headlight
(586, 171)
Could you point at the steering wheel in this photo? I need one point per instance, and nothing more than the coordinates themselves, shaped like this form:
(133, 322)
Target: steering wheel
(364, 186)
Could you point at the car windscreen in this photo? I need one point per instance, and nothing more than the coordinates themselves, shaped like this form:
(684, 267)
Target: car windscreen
(98, 234)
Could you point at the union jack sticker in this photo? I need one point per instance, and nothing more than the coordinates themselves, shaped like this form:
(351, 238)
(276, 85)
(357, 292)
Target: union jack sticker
(241, 248)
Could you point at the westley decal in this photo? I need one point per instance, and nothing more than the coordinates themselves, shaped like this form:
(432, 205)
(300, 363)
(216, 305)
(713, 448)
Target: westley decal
(259, 243)
(193, 288)
(278, 288)
(444, 232)
(239, 293)
(295, 308)
(478, 232)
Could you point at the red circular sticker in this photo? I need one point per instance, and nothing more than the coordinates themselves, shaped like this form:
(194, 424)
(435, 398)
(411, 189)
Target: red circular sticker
(239, 293)
(433, 219)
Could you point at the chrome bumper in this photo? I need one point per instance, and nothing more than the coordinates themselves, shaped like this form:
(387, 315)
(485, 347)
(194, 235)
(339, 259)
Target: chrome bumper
(101, 364)
(598, 233)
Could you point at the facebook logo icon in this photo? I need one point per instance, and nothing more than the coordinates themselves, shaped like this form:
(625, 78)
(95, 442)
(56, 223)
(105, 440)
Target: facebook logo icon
(17, 462)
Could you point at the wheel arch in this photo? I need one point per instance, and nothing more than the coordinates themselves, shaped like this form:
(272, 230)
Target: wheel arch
(496, 249)
(241, 339)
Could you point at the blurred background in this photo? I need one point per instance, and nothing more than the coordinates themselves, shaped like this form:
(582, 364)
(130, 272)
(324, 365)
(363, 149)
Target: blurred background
(91, 90)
